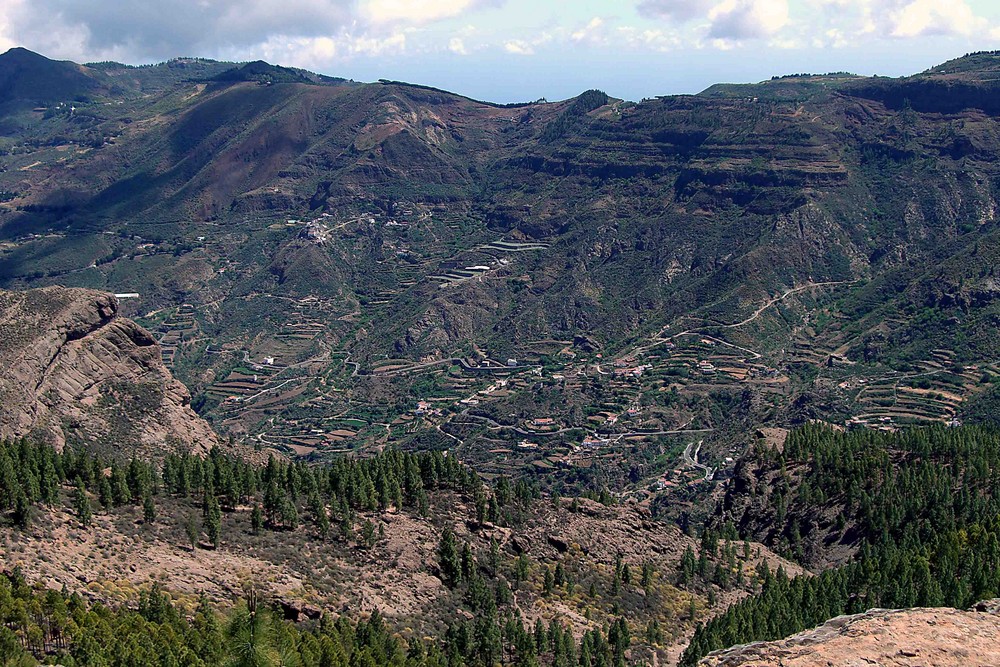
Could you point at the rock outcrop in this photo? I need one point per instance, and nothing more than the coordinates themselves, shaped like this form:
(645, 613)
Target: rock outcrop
(928, 637)
(73, 371)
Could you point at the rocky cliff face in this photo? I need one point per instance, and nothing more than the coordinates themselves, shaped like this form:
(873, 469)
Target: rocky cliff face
(899, 637)
(72, 371)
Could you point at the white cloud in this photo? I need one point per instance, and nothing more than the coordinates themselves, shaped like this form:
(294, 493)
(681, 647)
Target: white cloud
(376, 45)
(935, 17)
(832, 37)
(320, 52)
(785, 43)
(723, 23)
(747, 19)
(842, 21)
(144, 30)
(655, 39)
(593, 34)
(319, 33)
(519, 47)
(7, 10)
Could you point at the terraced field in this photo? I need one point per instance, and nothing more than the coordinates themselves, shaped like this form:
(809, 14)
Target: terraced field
(174, 331)
(933, 394)
(514, 246)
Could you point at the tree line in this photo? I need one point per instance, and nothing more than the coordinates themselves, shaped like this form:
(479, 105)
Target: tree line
(280, 495)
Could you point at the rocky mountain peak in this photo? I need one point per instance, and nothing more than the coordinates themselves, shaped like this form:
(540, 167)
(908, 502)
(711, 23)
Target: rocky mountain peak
(73, 370)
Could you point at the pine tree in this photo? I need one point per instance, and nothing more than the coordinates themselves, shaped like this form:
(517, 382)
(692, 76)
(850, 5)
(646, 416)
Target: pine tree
(521, 569)
(548, 581)
(448, 558)
(148, 508)
(49, 479)
(560, 575)
(494, 557)
(104, 493)
(135, 479)
(320, 518)
(81, 503)
(619, 639)
(654, 635)
(368, 533)
(273, 501)
(212, 517)
(647, 575)
(22, 511)
(468, 563)
(541, 639)
(119, 485)
(289, 514)
(251, 636)
(346, 527)
(256, 519)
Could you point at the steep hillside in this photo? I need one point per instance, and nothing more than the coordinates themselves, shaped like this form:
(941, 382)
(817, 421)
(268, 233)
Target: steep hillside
(884, 520)
(73, 371)
(969, 82)
(589, 378)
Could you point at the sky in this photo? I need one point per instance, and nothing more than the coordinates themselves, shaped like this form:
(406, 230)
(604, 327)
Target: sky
(519, 50)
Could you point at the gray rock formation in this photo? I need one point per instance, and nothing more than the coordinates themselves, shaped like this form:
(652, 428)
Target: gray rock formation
(72, 371)
(924, 637)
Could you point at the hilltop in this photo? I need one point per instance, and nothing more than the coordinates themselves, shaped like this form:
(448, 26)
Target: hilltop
(416, 540)
(30, 78)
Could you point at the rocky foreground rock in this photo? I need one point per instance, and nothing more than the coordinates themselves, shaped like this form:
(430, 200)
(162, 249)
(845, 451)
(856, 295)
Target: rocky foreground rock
(72, 370)
(920, 637)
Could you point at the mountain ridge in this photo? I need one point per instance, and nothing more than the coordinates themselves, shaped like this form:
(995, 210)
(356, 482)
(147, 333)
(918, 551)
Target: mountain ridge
(973, 68)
